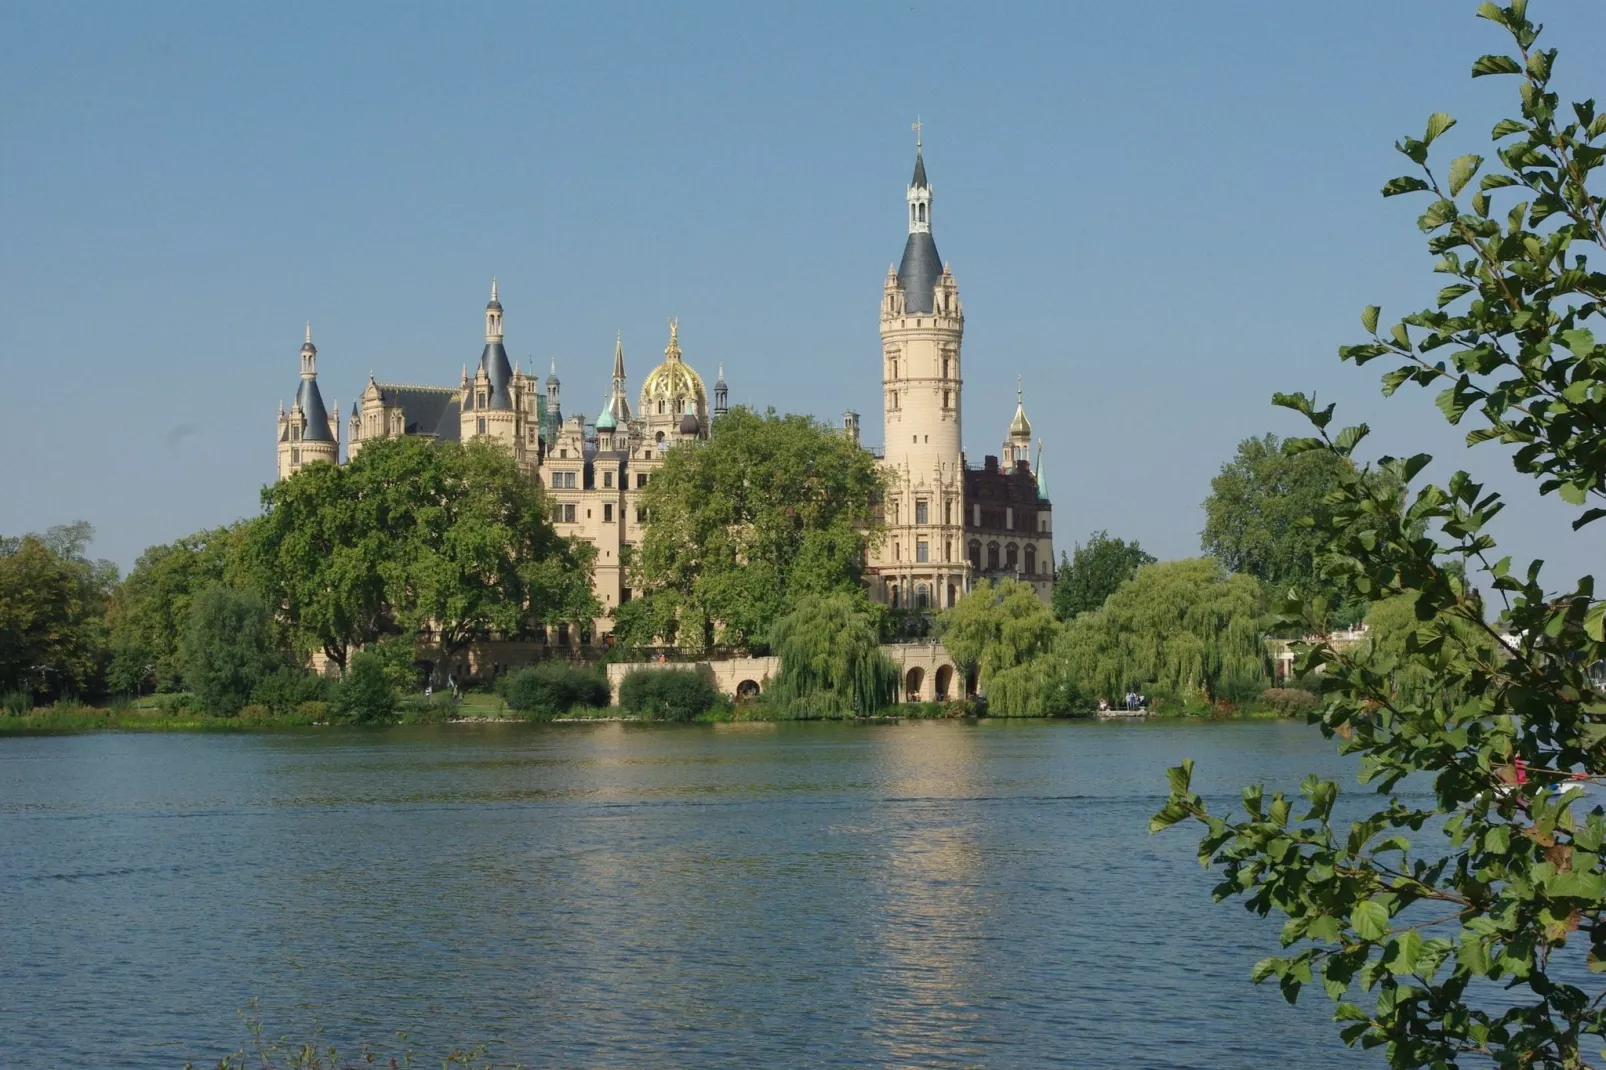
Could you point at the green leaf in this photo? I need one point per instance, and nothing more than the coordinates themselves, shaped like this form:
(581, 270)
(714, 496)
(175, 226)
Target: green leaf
(1180, 776)
(1581, 341)
(1370, 920)
(1589, 517)
(1595, 622)
(1407, 950)
(1473, 955)
(1369, 318)
(1462, 168)
(1574, 493)
(1438, 123)
(1494, 64)
(1404, 184)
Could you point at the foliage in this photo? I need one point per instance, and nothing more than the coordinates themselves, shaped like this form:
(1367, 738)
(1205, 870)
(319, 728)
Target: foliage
(1187, 629)
(553, 688)
(413, 534)
(1093, 572)
(365, 695)
(1255, 516)
(281, 691)
(770, 510)
(150, 610)
(668, 694)
(1289, 701)
(997, 635)
(52, 606)
(228, 648)
(1471, 906)
(16, 703)
(831, 659)
(1392, 627)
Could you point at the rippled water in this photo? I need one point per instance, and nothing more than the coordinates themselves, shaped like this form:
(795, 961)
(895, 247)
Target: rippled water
(924, 894)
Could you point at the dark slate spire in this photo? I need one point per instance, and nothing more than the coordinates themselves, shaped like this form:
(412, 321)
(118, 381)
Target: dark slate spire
(494, 358)
(921, 266)
(316, 428)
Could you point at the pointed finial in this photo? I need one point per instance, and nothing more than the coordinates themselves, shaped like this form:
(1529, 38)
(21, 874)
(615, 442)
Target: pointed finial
(554, 365)
(493, 287)
(1020, 395)
(915, 126)
(309, 332)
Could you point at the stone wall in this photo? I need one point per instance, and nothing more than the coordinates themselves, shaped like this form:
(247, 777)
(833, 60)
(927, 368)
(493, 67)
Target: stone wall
(925, 669)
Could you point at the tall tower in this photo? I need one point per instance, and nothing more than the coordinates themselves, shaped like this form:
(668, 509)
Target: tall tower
(307, 433)
(922, 563)
(490, 410)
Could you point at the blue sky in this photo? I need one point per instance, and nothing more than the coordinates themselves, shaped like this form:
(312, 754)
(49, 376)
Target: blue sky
(1158, 214)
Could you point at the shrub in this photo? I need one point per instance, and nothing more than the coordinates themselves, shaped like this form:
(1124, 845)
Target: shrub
(310, 713)
(436, 709)
(17, 703)
(1289, 701)
(288, 687)
(365, 696)
(255, 713)
(552, 689)
(228, 649)
(180, 703)
(668, 694)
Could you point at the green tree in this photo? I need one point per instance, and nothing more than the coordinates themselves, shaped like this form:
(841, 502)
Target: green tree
(831, 659)
(1187, 629)
(52, 612)
(770, 510)
(413, 536)
(1255, 516)
(668, 694)
(1093, 571)
(366, 694)
(1453, 923)
(228, 648)
(997, 635)
(149, 611)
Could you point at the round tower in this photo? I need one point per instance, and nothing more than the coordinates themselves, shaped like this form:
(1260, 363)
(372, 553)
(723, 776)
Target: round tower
(308, 432)
(921, 564)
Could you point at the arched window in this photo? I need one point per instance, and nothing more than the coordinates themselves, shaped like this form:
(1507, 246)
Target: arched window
(922, 596)
(922, 213)
(1031, 560)
(992, 555)
(911, 213)
(894, 597)
(953, 595)
(660, 437)
(1011, 555)
(975, 555)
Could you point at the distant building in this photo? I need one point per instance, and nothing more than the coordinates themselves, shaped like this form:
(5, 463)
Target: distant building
(948, 523)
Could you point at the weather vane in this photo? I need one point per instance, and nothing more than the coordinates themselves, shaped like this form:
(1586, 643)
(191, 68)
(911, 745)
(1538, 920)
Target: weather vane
(915, 126)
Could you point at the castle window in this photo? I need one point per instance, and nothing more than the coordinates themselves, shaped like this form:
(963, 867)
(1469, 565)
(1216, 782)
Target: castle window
(1031, 560)
(947, 512)
(992, 555)
(945, 367)
(922, 596)
(557, 514)
(295, 456)
(894, 367)
(568, 480)
(1009, 518)
(922, 213)
(660, 410)
(568, 514)
(641, 515)
(607, 513)
(922, 551)
(921, 510)
(641, 480)
(975, 555)
(563, 453)
(557, 480)
(946, 399)
(953, 596)
(1011, 556)
(482, 425)
(607, 479)
(896, 552)
(947, 549)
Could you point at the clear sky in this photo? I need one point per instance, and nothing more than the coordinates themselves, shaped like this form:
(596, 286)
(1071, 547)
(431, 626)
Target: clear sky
(1158, 214)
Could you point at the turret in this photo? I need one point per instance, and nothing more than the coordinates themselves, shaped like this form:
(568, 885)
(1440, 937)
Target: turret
(1018, 442)
(308, 432)
(721, 394)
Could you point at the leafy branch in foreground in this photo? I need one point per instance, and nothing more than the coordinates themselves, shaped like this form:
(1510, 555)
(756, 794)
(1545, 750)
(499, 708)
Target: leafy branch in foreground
(1471, 911)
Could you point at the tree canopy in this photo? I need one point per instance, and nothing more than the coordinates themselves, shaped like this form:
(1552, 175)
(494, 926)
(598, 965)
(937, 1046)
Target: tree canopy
(1255, 516)
(1093, 571)
(413, 534)
(770, 510)
(52, 612)
(1462, 921)
(831, 659)
(1182, 628)
(997, 635)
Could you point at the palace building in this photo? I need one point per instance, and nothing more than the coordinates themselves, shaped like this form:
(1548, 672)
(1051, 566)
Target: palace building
(949, 523)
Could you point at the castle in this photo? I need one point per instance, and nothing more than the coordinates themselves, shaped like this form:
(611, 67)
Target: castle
(948, 523)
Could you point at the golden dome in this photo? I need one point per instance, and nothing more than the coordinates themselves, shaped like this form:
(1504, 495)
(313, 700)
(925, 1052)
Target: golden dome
(673, 382)
(1020, 426)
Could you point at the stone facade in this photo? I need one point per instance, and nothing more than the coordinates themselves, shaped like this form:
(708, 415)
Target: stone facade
(947, 523)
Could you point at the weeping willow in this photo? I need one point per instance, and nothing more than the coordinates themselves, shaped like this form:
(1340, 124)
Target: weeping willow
(831, 660)
(1184, 628)
(998, 633)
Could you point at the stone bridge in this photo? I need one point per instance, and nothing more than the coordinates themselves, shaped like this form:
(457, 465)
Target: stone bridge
(925, 669)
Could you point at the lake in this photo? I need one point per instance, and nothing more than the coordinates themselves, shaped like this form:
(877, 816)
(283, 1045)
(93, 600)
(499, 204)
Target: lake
(923, 894)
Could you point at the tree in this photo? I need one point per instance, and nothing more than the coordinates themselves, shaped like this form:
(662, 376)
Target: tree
(149, 611)
(743, 526)
(228, 648)
(365, 695)
(1256, 512)
(997, 635)
(668, 694)
(1472, 905)
(52, 609)
(1186, 628)
(831, 659)
(1093, 572)
(416, 535)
